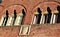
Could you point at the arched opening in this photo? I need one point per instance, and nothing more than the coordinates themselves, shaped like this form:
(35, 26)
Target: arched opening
(45, 17)
(23, 12)
(52, 17)
(37, 16)
(14, 17)
(49, 14)
(58, 18)
(11, 19)
(20, 18)
(5, 18)
(58, 8)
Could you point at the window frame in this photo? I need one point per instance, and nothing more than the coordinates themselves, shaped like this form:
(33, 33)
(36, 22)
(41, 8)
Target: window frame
(20, 19)
(35, 18)
(29, 27)
(4, 20)
(1, 20)
(36, 14)
(11, 21)
(56, 15)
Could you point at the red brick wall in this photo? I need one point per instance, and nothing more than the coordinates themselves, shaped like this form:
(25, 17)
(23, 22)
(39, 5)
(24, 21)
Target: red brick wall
(35, 31)
(30, 6)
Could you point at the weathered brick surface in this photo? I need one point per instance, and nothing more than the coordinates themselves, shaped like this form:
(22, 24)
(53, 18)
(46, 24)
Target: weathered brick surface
(30, 7)
(35, 31)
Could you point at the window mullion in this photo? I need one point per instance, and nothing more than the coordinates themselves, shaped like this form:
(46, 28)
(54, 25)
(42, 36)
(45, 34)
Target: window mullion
(41, 21)
(24, 30)
(54, 19)
(9, 21)
(51, 21)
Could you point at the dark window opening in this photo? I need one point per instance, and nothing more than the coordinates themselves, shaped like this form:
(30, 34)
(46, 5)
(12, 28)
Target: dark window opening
(58, 18)
(24, 30)
(14, 17)
(35, 18)
(46, 15)
(5, 19)
(39, 16)
(23, 12)
(49, 15)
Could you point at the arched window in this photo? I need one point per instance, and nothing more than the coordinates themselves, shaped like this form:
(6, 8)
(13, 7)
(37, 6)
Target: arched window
(49, 15)
(37, 16)
(11, 19)
(52, 16)
(14, 17)
(20, 17)
(25, 30)
(45, 17)
(58, 18)
(4, 19)
(55, 16)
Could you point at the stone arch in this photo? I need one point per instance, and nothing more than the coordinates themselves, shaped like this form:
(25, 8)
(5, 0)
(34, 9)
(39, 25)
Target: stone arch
(13, 7)
(19, 8)
(43, 6)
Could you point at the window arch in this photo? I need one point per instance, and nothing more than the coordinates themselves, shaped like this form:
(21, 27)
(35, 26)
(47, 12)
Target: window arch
(23, 12)
(58, 18)
(45, 17)
(11, 19)
(16, 19)
(49, 15)
(20, 18)
(4, 19)
(37, 16)
(52, 16)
